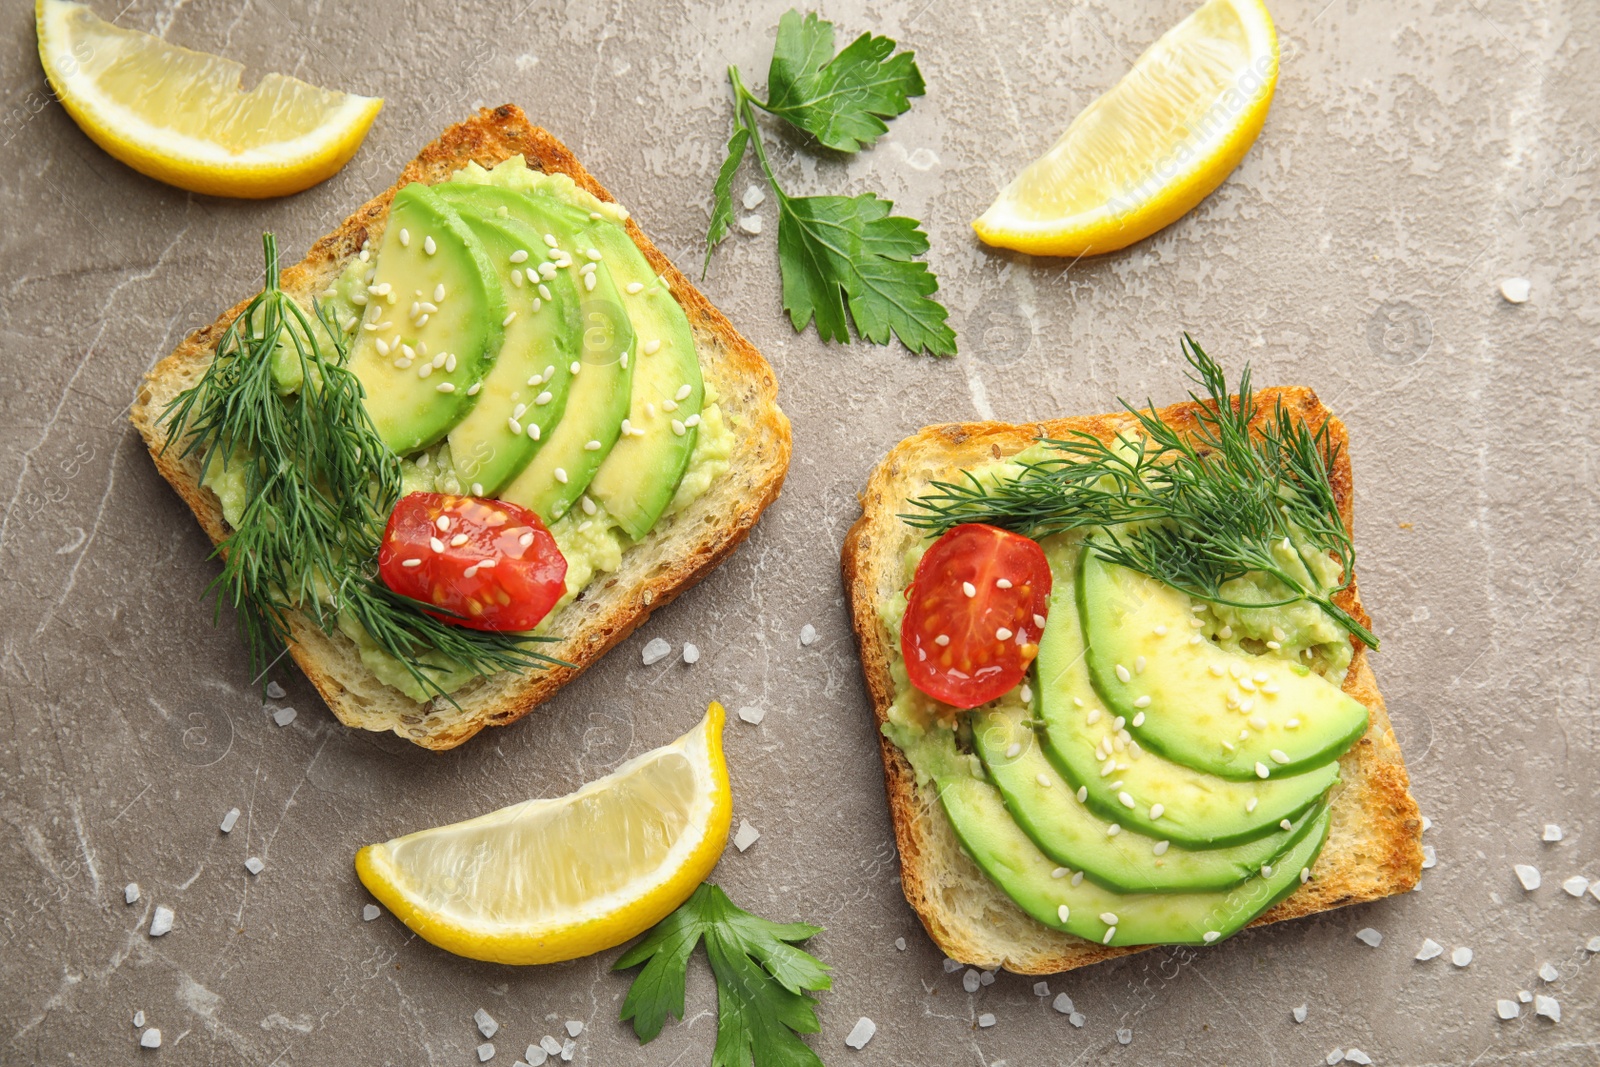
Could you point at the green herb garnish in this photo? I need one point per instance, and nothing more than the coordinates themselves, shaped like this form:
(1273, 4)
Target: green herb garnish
(1193, 509)
(844, 260)
(762, 980)
(320, 484)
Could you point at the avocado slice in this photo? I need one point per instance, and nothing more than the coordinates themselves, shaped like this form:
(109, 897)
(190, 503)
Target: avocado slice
(418, 366)
(1009, 857)
(1064, 829)
(525, 394)
(638, 480)
(1227, 713)
(597, 400)
(1199, 810)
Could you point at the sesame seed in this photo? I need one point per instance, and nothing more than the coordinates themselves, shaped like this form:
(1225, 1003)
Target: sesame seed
(1043, 780)
(1211, 935)
(428, 246)
(450, 362)
(436, 544)
(1139, 665)
(458, 540)
(1002, 634)
(969, 589)
(1038, 620)
(942, 640)
(542, 399)
(1285, 824)
(514, 426)
(1125, 800)
(382, 346)
(405, 238)
(474, 390)
(588, 283)
(1114, 829)
(1161, 631)
(1279, 756)
(550, 239)
(445, 387)
(1094, 716)
(561, 476)
(1261, 770)
(588, 505)
(624, 361)
(1138, 720)
(651, 347)
(1250, 805)
(683, 392)
(1266, 870)
(534, 431)
(678, 428)
(1003, 583)
(411, 563)
(1142, 702)
(1123, 674)
(509, 319)
(1063, 912)
(634, 288)
(526, 539)
(544, 291)
(591, 446)
(421, 321)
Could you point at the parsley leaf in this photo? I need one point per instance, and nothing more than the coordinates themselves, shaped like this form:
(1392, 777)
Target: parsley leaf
(838, 248)
(846, 262)
(722, 193)
(762, 979)
(841, 99)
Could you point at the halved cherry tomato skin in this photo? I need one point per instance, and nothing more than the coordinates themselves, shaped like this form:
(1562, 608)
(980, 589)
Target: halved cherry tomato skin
(489, 562)
(975, 611)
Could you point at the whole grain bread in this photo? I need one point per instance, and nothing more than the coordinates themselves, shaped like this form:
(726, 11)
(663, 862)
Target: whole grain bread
(680, 551)
(1374, 847)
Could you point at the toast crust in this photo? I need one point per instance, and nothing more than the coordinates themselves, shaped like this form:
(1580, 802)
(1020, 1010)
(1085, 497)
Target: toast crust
(1374, 848)
(678, 553)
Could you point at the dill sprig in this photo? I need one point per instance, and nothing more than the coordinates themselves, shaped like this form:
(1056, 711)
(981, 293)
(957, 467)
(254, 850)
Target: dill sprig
(320, 484)
(1194, 510)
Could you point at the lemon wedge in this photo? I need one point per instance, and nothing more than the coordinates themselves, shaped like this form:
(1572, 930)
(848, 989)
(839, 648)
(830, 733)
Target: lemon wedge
(182, 118)
(550, 880)
(1153, 146)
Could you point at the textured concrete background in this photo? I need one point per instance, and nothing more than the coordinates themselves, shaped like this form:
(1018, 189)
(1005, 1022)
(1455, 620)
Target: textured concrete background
(1415, 156)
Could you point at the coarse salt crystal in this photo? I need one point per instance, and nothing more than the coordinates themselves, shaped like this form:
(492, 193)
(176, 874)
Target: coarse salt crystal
(161, 922)
(746, 835)
(486, 1052)
(138, 1018)
(151, 1038)
(969, 981)
(1124, 1036)
(1548, 1007)
(284, 716)
(254, 865)
(654, 652)
(861, 1033)
(1524, 996)
(1516, 290)
(535, 1056)
(691, 653)
(752, 715)
(1077, 1019)
(1548, 972)
(229, 820)
(900, 943)
(370, 912)
(1355, 1055)
(275, 691)
(750, 224)
(130, 892)
(574, 1027)
(1063, 1004)
(1041, 989)
(951, 966)
(1528, 876)
(550, 1045)
(1334, 1057)
(568, 1047)
(486, 1023)
(753, 197)
(1461, 956)
(1429, 857)
(808, 635)
(1576, 886)
(986, 978)
(1552, 832)
(1593, 945)
(1370, 937)
(1300, 1013)
(986, 1020)
(1430, 949)
(1507, 1009)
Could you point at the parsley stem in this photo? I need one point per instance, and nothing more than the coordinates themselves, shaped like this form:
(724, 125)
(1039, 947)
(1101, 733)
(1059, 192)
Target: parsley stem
(744, 116)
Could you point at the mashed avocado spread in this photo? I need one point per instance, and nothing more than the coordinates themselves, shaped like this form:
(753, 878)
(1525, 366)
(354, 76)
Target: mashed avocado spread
(589, 537)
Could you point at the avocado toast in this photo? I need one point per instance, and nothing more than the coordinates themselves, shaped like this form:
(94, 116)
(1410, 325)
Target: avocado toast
(1028, 835)
(669, 532)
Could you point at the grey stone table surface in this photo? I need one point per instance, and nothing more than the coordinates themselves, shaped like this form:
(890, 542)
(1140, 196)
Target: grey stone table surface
(1417, 154)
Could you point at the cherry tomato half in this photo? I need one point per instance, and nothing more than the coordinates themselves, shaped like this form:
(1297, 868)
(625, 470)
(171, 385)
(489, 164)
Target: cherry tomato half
(974, 614)
(490, 562)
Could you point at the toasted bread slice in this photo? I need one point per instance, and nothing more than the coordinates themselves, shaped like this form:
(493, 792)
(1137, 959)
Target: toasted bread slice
(1373, 850)
(680, 551)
